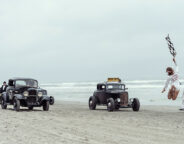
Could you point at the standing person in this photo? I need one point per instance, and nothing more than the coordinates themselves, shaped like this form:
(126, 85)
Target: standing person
(182, 105)
(173, 80)
(4, 87)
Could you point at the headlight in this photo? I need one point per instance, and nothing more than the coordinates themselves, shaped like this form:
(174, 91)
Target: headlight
(40, 94)
(44, 92)
(118, 100)
(26, 93)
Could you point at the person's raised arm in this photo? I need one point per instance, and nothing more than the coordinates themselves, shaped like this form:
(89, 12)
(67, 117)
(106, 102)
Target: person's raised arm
(176, 66)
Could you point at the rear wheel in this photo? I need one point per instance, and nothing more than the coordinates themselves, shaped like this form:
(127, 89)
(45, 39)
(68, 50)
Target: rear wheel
(110, 105)
(135, 104)
(3, 104)
(16, 104)
(92, 103)
(46, 106)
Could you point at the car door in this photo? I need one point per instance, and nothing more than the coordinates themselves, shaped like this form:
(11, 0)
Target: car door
(102, 94)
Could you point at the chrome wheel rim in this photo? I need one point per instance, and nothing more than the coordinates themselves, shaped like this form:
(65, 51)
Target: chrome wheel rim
(109, 104)
(15, 104)
(91, 102)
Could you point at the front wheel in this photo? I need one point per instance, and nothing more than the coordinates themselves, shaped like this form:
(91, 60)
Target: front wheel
(135, 104)
(110, 105)
(92, 103)
(117, 106)
(46, 106)
(16, 104)
(30, 107)
(3, 104)
(51, 100)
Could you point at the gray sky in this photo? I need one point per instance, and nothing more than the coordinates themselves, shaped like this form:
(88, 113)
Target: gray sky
(89, 40)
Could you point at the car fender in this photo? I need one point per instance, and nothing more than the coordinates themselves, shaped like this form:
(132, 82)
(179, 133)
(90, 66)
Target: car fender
(3, 95)
(44, 98)
(18, 96)
(96, 98)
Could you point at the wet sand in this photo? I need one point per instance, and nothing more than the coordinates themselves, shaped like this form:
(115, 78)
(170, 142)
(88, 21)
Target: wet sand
(74, 123)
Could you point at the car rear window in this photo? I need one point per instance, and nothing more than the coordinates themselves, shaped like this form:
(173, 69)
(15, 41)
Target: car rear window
(114, 86)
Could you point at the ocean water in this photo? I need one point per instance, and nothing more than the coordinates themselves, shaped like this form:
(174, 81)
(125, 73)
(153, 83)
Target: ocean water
(148, 91)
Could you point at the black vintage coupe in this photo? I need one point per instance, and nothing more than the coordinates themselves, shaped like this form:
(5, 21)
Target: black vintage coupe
(25, 92)
(114, 95)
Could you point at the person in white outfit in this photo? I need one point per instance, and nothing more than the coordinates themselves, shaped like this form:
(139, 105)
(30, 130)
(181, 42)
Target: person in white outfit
(173, 80)
(182, 104)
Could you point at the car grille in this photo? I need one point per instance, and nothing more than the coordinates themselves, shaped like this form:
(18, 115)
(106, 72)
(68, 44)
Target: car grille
(31, 99)
(32, 92)
(124, 99)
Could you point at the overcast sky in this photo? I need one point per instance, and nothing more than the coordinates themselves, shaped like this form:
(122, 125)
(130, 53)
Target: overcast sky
(89, 40)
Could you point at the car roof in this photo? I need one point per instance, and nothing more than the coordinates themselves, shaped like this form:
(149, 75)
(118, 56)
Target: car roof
(105, 83)
(21, 78)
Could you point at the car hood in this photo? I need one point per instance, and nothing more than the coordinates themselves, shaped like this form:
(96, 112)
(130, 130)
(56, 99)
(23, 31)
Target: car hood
(36, 89)
(29, 89)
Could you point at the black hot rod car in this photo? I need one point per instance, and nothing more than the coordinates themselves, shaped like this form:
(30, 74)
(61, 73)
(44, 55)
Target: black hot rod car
(114, 95)
(26, 93)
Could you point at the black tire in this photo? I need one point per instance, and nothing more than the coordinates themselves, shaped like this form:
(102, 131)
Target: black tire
(135, 104)
(0, 99)
(92, 103)
(3, 105)
(110, 104)
(46, 106)
(30, 107)
(16, 104)
(51, 100)
(116, 106)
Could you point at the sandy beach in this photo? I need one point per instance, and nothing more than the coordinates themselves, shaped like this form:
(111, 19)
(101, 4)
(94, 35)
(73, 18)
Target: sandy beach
(71, 122)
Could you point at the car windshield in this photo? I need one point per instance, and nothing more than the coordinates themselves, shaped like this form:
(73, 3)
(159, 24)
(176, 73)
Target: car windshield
(26, 83)
(115, 86)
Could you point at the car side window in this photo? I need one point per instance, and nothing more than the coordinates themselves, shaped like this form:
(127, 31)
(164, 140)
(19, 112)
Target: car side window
(103, 87)
(20, 83)
(11, 83)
